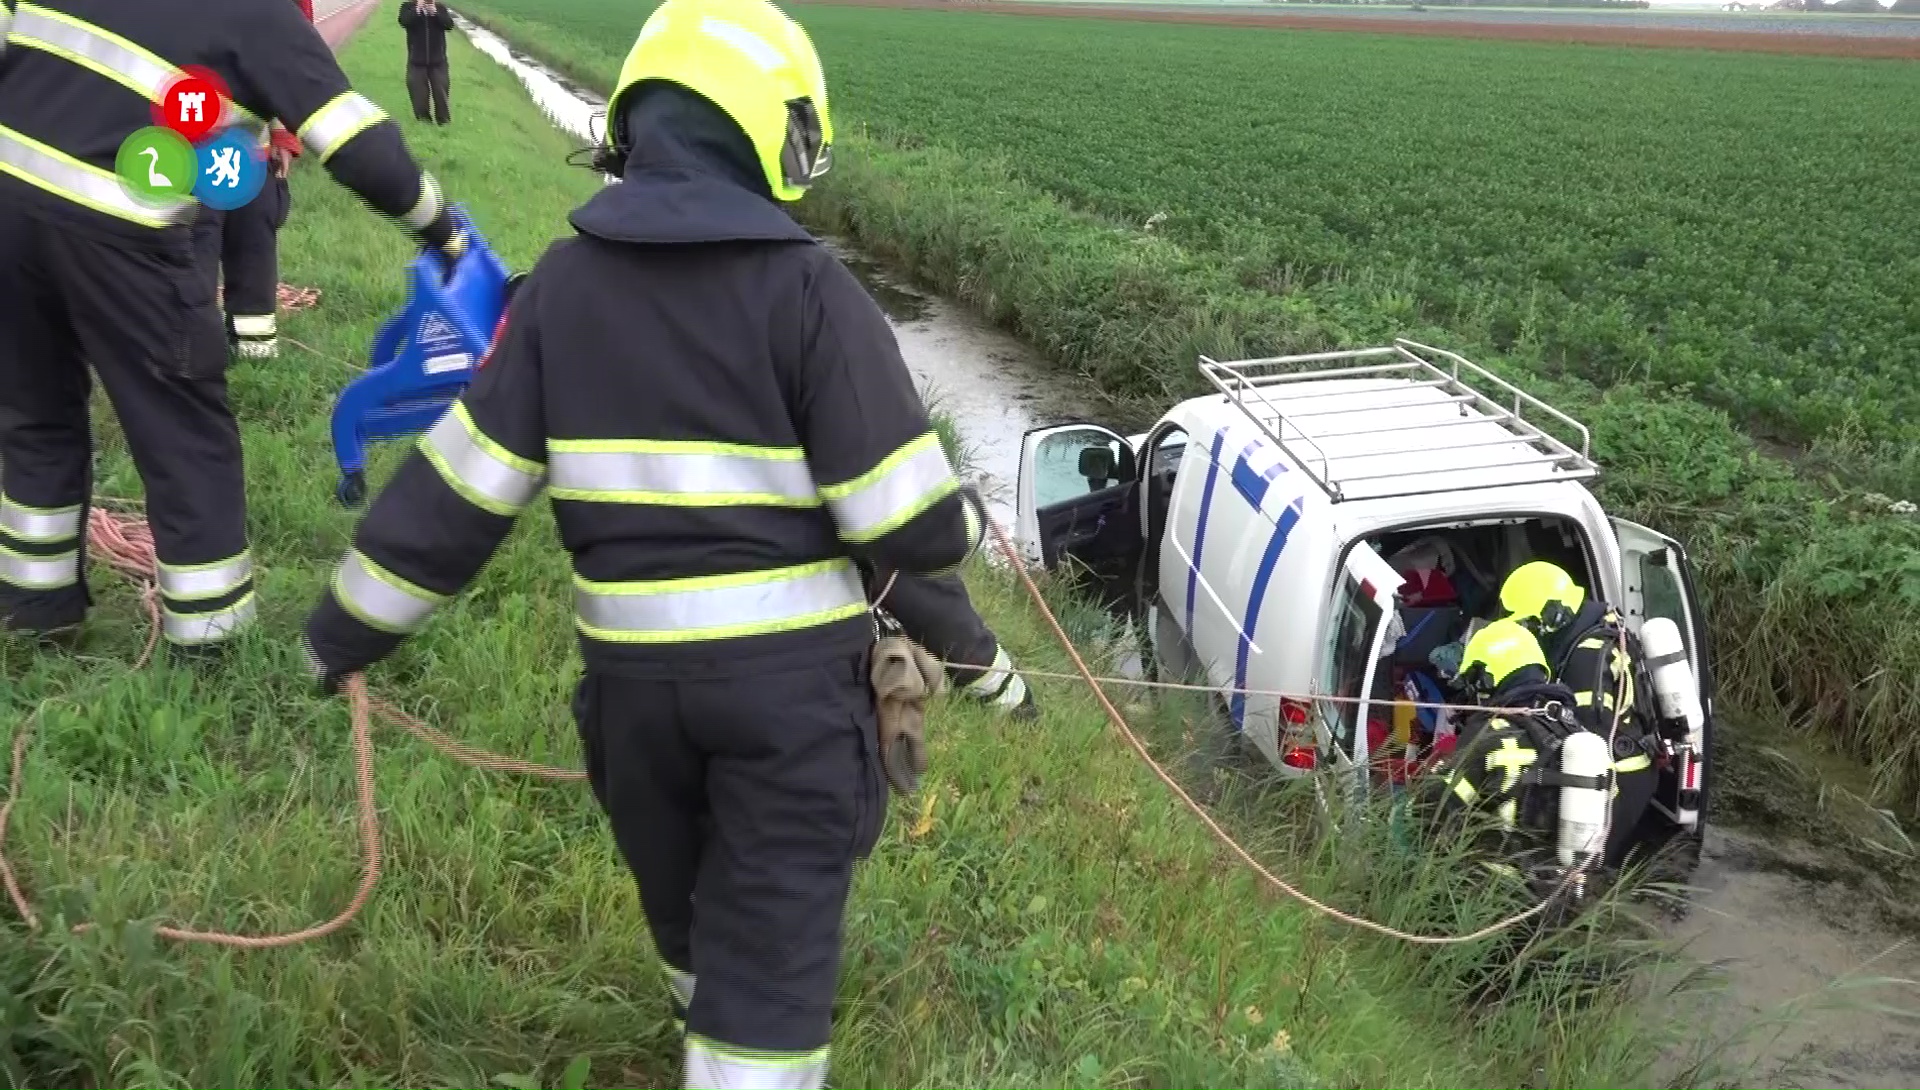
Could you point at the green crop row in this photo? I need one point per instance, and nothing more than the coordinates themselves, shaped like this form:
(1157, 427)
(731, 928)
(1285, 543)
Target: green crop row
(1743, 224)
(1329, 189)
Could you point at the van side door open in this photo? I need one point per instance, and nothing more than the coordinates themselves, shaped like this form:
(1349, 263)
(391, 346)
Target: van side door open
(1079, 499)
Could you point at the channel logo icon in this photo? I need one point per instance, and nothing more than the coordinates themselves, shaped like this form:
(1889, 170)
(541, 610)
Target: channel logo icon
(233, 170)
(157, 166)
(194, 149)
(192, 107)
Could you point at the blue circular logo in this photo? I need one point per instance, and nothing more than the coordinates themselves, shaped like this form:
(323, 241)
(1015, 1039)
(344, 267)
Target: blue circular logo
(233, 170)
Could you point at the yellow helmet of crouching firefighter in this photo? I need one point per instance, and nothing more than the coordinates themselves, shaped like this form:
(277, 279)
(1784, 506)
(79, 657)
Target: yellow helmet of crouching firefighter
(756, 64)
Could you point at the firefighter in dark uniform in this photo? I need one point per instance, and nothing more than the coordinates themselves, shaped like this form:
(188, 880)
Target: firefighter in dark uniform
(1498, 755)
(723, 424)
(935, 612)
(245, 245)
(90, 274)
(1584, 646)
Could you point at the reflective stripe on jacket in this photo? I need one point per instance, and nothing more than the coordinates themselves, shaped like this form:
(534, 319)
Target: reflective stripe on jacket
(81, 76)
(722, 429)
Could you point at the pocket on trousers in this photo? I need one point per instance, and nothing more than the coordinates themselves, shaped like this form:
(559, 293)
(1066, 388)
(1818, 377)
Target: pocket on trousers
(870, 790)
(197, 347)
(282, 196)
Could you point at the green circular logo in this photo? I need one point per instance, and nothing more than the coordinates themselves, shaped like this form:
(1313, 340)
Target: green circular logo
(157, 165)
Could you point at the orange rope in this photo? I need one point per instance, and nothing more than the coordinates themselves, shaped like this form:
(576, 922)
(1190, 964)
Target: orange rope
(125, 542)
(1126, 731)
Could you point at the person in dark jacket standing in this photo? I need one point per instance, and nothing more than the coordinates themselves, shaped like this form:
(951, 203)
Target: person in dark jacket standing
(427, 23)
(725, 429)
(93, 273)
(244, 244)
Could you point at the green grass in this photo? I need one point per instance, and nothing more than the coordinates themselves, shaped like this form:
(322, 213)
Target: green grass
(1054, 920)
(1495, 198)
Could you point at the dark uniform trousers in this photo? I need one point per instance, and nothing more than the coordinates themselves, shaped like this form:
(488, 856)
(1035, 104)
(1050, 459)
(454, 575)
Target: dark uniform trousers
(245, 244)
(427, 85)
(742, 804)
(145, 319)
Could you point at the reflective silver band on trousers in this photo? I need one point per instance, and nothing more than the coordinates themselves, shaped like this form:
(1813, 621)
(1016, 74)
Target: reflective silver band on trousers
(132, 67)
(486, 474)
(194, 628)
(39, 572)
(712, 1064)
(685, 610)
(691, 476)
(907, 483)
(37, 525)
(203, 581)
(381, 599)
(39, 165)
(339, 121)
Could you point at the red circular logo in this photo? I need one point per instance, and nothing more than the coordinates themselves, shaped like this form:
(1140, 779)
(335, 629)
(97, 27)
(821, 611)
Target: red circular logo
(191, 106)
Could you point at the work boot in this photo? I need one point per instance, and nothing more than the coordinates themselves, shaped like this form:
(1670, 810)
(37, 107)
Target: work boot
(52, 618)
(201, 658)
(1028, 709)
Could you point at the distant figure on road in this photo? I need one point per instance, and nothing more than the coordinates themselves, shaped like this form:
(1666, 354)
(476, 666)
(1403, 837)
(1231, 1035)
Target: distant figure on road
(427, 24)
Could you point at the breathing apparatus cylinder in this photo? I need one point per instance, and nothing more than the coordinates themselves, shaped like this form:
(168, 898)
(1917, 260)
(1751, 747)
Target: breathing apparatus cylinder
(1678, 697)
(1583, 809)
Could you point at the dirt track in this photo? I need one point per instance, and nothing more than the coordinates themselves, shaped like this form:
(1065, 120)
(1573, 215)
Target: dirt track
(1830, 45)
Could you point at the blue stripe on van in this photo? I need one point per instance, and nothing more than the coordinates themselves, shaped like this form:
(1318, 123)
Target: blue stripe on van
(1200, 527)
(1237, 706)
(1251, 485)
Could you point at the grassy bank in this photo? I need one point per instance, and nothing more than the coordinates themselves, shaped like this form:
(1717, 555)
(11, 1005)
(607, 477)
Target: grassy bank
(1048, 918)
(994, 189)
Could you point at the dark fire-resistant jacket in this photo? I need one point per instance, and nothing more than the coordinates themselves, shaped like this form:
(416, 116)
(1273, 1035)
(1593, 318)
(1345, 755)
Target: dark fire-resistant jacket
(1586, 656)
(78, 77)
(718, 413)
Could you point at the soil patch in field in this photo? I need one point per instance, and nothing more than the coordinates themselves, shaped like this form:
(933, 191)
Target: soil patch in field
(1828, 45)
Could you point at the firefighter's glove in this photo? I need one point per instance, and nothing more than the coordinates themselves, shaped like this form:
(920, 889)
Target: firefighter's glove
(903, 677)
(337, 645)
(448, 240)
(329, 678)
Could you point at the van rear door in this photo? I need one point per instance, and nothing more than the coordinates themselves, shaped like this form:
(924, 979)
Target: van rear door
(1079, 500)
(1362, 615)
(1657, 581)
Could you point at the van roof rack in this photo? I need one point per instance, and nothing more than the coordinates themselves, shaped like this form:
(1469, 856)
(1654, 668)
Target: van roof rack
(1390, 437)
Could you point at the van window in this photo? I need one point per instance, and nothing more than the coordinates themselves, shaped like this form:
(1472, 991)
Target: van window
(1061, 457)
(1662, 594)
(1356, 620)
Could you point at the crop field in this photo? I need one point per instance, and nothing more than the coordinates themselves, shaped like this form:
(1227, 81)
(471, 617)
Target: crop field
(1704, 255)
(1043, 915)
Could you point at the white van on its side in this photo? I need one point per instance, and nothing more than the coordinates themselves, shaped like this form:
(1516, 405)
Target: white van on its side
(1319, 531)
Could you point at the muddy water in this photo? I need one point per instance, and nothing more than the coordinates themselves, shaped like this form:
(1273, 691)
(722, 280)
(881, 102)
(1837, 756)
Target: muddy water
(1780, 941)
(1808, 971)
